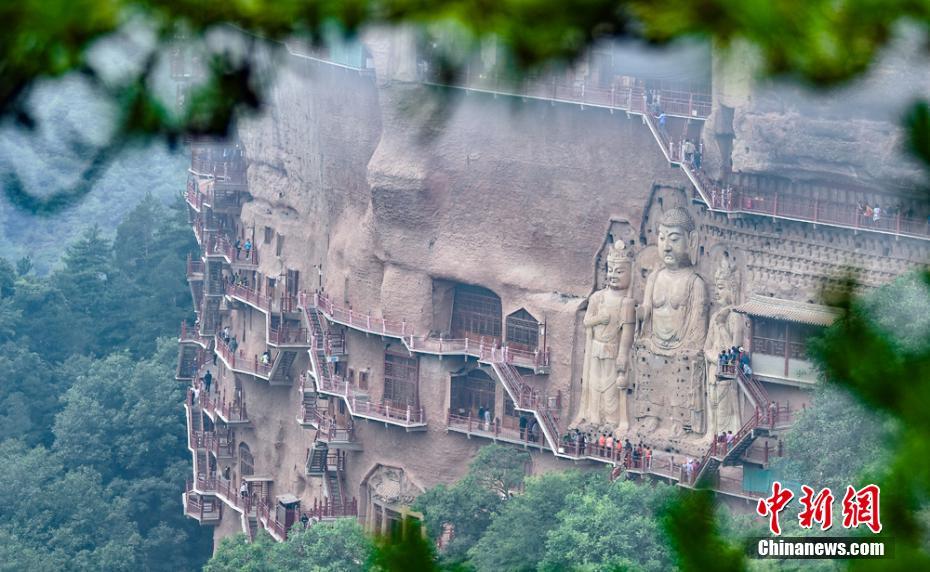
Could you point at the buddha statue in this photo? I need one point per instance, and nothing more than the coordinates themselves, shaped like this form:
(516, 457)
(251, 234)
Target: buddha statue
(674, 307)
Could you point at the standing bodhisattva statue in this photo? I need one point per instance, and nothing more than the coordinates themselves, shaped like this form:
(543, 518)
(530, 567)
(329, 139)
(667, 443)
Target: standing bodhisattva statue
(675, 301)
(609, 323)
(726, 330)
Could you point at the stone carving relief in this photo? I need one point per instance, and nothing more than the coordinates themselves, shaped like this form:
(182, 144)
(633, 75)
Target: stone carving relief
(726, 330)
(389, 486)
(609, 322)
(662, 387)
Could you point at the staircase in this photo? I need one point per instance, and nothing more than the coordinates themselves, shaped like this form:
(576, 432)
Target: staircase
(333, 488)
(189, 361)
(527, 399)
(214, 279)
(316, 459)
(281, 367)
(318, 335)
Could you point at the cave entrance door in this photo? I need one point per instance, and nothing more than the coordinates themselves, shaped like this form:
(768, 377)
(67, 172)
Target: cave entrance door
(476, 314)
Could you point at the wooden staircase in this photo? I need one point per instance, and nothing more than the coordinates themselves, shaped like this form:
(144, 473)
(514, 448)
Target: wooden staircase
(190, 359)
(280, 369)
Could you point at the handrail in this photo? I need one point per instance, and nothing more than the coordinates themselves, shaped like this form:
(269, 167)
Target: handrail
(239, 362)
(486, 352)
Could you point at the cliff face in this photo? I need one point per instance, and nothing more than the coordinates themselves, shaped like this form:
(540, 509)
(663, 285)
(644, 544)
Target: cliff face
(399, 190)
(848, 135)
(387, 193)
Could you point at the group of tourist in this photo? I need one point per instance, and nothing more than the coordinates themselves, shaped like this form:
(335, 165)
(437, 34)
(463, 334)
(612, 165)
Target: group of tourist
(231, 342)
(606, 446)
(239, 280)
(735, 356)
(529, 428)
(240, 246)
(484, 418)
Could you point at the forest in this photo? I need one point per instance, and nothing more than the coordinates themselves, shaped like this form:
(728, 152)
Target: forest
(91, 423)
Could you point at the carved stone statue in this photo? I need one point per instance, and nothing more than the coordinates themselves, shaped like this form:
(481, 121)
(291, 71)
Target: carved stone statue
(668, 352)
(675, 303)
(609, 322)
(726, 330)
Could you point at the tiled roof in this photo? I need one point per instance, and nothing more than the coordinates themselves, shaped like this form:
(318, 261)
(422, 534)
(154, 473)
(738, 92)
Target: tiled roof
(789, 310)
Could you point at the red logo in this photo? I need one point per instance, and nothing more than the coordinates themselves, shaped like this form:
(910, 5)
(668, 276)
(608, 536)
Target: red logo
(773, 505)
(816, 509)
(861, 507)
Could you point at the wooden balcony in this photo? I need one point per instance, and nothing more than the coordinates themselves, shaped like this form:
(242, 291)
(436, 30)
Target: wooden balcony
(195, 268)
(471, 426)
(288, 336)
(486, 352)
(239, 363)
(205, 509)
(190, 335)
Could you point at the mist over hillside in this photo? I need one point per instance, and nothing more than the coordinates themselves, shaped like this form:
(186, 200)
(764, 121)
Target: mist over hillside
(71, 126)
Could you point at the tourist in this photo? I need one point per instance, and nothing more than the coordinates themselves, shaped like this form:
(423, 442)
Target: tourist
(244, 490)
(729, 438)
(868, 212)
(648, 461)
(663, 129)
(773, 411)
(687, 149)
(214, 358)
(248, 248)
(225, 334)
(238, 248)
(487, 419)
(876, 213)
(689, 470)
(207, 380)
(266, 357)
(697, 156)
(233, 345)
(609, 444)
(227, 472)
(480, 415)
(523, 427)
(602, 442)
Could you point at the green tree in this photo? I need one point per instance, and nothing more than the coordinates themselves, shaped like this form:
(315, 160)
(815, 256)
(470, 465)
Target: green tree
(610, 526)
(237, 554)
(337, 546)
(835, 442)
(468, 506)
(29, 394)
(67, 515)
(513, 539)
(7, 278)
(150, 294)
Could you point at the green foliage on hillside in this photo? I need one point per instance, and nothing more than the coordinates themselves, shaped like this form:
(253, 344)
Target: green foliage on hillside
(92, 434)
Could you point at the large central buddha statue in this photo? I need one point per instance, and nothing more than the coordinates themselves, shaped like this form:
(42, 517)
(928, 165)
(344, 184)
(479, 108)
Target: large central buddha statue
(675, 303)
(670, 394)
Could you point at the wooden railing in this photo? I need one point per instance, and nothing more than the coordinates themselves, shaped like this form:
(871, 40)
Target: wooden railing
(329, 431)
(323, 509)
(808, 209)
(487, 352)
(261, 301)
(278, 335)
(629, 98)
(199, 507)
(238, 362)
(494, 429)
(190, 334)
